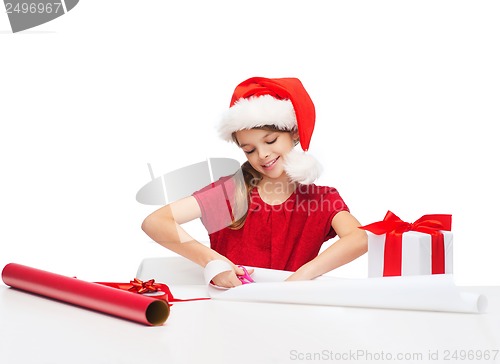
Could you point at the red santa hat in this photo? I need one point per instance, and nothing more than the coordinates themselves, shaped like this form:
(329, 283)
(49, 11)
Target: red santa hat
(281, 102)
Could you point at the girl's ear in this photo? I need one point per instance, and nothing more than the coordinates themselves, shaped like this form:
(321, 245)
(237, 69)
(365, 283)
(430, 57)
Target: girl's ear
(295, 137)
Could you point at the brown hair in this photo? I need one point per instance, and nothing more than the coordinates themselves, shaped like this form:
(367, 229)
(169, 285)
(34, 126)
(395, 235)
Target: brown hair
(251, 178)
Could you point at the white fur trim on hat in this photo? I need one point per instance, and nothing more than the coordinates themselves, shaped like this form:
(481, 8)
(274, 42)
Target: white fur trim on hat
(301, 167)
(257, 111)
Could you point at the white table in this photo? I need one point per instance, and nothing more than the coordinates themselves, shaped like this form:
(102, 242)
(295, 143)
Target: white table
(38, 330)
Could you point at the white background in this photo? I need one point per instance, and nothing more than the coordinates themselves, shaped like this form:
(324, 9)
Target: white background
(407, 97)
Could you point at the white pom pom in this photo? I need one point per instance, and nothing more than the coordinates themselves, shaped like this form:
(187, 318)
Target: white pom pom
(302, 167)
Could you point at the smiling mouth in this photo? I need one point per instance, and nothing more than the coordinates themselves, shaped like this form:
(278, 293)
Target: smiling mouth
(271, 163)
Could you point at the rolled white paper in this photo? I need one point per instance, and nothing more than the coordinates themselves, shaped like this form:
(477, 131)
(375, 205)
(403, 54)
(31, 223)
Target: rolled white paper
(436, 292)
(426, 292)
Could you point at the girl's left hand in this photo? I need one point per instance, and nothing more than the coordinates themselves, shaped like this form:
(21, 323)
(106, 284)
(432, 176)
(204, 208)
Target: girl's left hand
(299, 275)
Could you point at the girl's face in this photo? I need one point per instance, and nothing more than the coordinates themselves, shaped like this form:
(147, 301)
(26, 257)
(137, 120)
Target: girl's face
(265, 149)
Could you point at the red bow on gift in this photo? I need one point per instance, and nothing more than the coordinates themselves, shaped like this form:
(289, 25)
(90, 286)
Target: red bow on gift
(394, 228)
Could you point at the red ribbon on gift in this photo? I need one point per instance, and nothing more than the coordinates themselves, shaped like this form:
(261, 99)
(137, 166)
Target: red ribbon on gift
(141, 287)
(394, 228)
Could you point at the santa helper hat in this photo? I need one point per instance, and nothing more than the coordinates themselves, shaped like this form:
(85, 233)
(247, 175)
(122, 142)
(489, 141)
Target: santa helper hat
(284, 103)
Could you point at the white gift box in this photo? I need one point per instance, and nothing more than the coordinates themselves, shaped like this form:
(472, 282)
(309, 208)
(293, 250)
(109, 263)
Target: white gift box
(416, 253)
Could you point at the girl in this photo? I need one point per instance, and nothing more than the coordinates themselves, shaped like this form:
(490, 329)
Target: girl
(269, 214)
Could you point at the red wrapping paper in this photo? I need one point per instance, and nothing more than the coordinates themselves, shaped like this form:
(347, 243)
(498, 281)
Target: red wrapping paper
(98, 297)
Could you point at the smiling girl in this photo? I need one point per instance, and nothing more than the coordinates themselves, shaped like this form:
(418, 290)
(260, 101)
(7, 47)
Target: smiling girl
(270, 214)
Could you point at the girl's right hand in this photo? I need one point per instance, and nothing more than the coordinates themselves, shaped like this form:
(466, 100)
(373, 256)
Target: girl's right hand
(227, 279)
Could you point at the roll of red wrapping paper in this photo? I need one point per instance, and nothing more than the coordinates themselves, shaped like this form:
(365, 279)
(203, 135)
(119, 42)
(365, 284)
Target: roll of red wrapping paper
(128, 305)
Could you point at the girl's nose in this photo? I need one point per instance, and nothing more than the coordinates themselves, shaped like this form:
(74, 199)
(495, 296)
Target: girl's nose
(263, 153)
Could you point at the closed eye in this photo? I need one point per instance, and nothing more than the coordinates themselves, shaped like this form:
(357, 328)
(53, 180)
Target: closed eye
(250, 151)
(271, 142)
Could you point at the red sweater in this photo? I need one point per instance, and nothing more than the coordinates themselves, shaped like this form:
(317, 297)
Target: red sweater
(284, 236)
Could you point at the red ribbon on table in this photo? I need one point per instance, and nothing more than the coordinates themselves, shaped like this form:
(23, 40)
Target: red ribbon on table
(394, 228)
(141, 287)
(145, 287)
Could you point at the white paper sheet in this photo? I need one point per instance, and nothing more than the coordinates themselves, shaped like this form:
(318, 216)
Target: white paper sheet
(425, 292)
